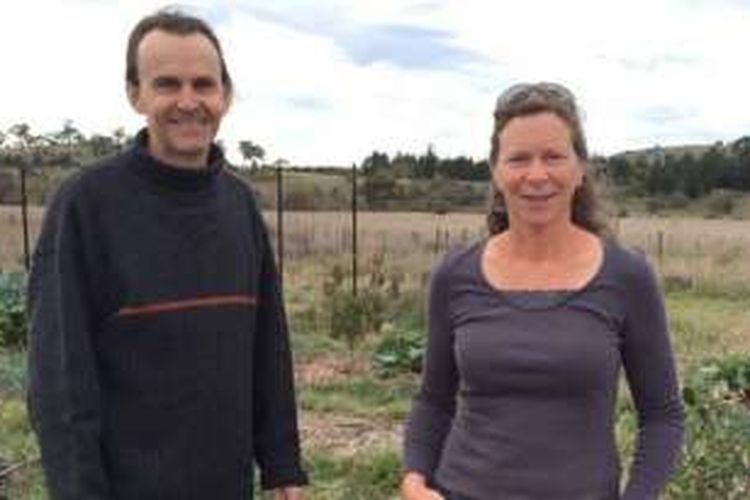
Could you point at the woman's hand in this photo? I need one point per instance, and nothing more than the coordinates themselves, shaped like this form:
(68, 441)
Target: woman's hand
(414, 487)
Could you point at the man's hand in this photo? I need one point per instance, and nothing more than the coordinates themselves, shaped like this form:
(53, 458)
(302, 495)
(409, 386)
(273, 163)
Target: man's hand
(288, 493)
(414, 487)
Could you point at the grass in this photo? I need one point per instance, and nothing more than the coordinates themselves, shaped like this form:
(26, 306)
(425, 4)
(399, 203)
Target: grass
(11, 229)
(371, 474)
(12, 373)
(705, 326)
(350, 418)
(17, 444)
(366, 397)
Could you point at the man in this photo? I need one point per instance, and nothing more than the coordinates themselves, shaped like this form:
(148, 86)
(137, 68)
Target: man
(159, 356)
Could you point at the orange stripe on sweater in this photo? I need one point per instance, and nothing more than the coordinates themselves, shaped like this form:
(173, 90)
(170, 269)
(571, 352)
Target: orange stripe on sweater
(182, 305)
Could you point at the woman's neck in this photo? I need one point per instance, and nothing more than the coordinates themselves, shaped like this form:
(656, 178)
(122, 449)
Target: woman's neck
(544, 244)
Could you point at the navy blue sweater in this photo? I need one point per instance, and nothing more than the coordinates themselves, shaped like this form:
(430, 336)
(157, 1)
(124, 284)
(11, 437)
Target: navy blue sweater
(159, 358)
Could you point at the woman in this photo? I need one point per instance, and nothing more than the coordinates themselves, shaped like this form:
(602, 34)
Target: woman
(528, 330)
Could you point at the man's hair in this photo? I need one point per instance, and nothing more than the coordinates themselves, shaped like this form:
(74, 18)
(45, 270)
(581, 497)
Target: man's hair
(177, 23)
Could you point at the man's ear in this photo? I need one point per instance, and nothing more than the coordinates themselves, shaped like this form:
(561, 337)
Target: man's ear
(228, 98)
(132, 89)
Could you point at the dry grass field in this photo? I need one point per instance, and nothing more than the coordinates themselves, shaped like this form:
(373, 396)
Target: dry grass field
(11, 235)
(711, 256)
(699, 251)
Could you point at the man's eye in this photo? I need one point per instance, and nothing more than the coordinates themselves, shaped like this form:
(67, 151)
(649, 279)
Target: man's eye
(204, 84)
(166, 84)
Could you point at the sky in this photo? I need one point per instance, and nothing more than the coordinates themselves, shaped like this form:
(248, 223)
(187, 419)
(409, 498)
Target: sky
(326, 82)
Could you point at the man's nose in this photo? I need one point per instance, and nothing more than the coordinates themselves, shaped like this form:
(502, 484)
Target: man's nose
(188, 98)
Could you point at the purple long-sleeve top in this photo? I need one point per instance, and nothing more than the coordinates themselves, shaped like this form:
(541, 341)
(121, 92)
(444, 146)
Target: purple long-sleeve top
(519, 387)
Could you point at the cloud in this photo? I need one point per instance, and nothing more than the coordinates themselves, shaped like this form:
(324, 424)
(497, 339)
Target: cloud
(407, 47)
(367, 42)
(665, 115)
(651, 64)
(310, 102)
(327, 82)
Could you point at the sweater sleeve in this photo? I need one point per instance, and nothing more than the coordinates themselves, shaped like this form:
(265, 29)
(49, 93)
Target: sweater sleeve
(275, 418)
(650, 369)
(434, 405)
(63, 391)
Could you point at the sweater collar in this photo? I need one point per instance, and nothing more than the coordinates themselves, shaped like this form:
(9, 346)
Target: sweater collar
(171, 176)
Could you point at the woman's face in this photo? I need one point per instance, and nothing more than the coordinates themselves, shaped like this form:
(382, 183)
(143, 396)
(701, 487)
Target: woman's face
(537, 170)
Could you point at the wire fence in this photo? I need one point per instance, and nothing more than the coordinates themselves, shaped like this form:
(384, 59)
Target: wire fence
(688, 249)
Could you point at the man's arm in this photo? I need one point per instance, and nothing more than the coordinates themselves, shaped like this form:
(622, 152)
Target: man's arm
(63, 393)
(275, 417)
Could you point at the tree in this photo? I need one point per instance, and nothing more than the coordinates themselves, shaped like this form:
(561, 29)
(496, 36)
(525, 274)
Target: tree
(720, 167)
(462, 168)
(101, 145)
(3, 153)
(620, 170)
(120, 138)
(741, 150)
(251, 152)
(22, 132)
(741, 147)
(69, 136)
(376, 162)
(29, 145)
(427, 164)
(404, 165)
(280, 163)
(380, 188)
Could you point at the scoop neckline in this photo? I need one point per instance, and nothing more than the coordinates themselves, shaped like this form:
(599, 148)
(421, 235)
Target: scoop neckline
(556, 297)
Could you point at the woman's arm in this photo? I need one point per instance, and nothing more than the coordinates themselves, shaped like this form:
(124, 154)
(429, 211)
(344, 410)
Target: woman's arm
(650, 369)
(434, 406)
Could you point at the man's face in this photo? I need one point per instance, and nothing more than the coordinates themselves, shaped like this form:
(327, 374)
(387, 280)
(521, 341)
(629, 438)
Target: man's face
(181, 94)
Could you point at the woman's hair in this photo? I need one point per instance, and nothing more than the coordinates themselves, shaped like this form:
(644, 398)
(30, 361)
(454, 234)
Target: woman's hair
(526, 99)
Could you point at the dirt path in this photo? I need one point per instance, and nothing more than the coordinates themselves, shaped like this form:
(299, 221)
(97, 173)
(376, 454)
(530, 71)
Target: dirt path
(344, 436)
(341, 435)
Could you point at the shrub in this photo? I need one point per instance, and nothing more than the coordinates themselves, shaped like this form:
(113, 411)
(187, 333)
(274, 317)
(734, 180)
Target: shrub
(720, 203)
(347, 316)
(400, 351)
(352, 317)
(716, 460)
(726, 379)
(12, 310)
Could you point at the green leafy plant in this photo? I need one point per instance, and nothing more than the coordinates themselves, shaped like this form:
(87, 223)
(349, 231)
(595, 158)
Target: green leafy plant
(12, 310)
(400, 351)
(716, 459)
(347, 317)
(353, 316)
(726, 379)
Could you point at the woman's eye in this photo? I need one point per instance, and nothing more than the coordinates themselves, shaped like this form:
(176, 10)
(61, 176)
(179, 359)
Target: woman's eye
(516, 160)
(555, 157)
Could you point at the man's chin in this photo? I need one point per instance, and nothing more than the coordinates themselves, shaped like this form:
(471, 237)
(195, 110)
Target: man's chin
(192, 148)
(184, 155)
